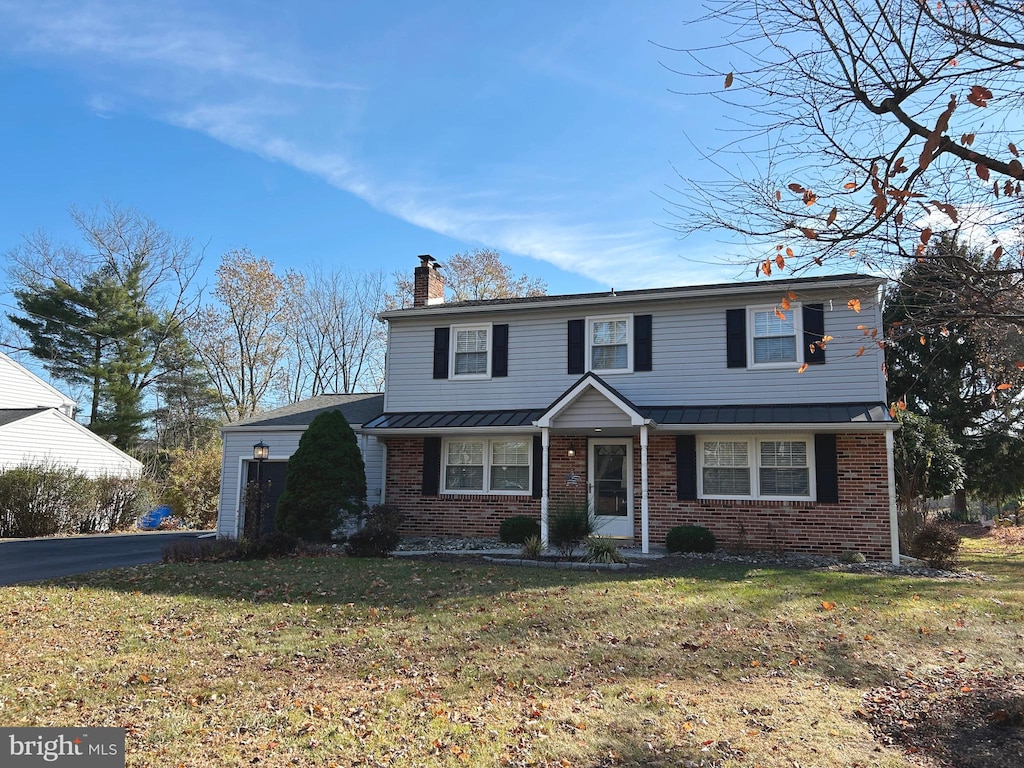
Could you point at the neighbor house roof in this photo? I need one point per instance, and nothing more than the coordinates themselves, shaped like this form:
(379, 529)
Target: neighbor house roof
(356, 408)
(11, 415)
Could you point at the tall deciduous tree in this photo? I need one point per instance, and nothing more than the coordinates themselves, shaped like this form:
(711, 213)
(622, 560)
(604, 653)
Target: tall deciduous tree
(101, 314)
(860, 128)
(337, 341)
(243, 338)
(473, 276)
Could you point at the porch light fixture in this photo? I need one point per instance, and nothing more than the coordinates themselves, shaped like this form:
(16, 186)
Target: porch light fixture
(571, 452)
(597, 429)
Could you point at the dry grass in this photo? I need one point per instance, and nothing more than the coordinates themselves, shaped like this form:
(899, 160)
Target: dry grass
(322, 661)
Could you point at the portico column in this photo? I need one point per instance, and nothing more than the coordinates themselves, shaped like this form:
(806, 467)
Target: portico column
(645, 522)
(545, 439)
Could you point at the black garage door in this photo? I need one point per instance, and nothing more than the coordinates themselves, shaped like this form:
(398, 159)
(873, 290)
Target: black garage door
(273, 476)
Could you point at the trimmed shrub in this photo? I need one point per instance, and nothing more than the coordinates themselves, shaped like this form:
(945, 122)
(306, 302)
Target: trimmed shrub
(199, 551)
(602, 550)
(42, 500)
(379, 535)
(116, 505)
(852, 557)
(938, 545)
(516, 530)
(272, 545)
(690, 538)
(569, 523)
(326, 480)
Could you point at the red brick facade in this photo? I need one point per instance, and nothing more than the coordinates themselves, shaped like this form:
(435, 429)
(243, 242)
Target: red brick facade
(860, 521)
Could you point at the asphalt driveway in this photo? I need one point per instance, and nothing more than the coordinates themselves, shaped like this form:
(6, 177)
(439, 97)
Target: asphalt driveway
(24, 560)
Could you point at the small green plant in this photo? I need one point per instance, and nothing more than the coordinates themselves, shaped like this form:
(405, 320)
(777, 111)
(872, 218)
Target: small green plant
(690, 538)
(602, 550)
(532, 548)
(851, 557)
(569, 523)
(938, 545)
(379, 535)
(516, 530)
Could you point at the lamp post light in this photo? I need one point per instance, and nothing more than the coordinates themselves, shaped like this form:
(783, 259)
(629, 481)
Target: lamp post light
(260, 453)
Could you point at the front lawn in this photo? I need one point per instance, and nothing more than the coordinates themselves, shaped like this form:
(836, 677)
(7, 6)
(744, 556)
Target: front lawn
(355, 662)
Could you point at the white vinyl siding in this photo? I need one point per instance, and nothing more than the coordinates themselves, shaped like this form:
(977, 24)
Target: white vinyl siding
(498, 465)
(774, 335)
(744, 467)
(471, 351)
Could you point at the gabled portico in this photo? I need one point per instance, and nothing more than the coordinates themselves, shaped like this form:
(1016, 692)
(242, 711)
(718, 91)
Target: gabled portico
(608, 421)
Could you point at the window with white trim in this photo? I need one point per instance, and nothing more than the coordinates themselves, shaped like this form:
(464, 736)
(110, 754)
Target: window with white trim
(471, 351)
(756, 468)
(608, 344)
(773, 334)
(487, 465)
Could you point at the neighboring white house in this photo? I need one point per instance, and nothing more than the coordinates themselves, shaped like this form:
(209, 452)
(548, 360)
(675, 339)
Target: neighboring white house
(36, 427)
(281, 430)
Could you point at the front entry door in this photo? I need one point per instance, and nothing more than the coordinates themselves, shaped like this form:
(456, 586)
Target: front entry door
(611, 486)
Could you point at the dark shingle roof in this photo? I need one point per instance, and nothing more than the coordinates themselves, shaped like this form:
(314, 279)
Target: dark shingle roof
(11, 415)
(357, 409)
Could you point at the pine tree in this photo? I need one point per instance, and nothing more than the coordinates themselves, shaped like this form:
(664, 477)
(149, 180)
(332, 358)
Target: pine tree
(326, 480)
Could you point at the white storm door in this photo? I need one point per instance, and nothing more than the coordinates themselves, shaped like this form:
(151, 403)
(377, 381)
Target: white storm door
(611, 486)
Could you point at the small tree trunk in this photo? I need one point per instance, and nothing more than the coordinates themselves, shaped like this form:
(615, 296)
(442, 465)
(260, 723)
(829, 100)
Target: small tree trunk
(960, 504)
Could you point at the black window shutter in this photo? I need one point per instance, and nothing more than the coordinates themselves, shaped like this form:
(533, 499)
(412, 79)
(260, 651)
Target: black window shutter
(499, 350)
(826, 468)
(577, 347)
(686, 467)
(431, 466)
(441, 336)
(642, 358)
(814, 330)
(736, 338)
(538, 467)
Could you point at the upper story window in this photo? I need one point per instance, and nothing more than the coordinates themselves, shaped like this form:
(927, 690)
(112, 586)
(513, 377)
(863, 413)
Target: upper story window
(609, 344)
(755, 468)
(773, 335)
(470, 351)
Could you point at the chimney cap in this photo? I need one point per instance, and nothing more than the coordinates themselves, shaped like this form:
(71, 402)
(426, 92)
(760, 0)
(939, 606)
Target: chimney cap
(427, 260)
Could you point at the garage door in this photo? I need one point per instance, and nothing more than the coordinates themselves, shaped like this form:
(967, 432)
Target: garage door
(273, 475)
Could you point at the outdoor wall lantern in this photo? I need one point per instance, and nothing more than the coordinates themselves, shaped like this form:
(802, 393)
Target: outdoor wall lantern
(260, 451)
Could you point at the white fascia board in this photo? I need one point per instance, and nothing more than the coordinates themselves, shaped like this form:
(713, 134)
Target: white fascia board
(412, 431)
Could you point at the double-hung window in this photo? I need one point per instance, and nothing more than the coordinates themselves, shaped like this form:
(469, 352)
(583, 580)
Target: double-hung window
(773, 335)
(471, 351)
(756, 468)
(487, 465)
(608, 344)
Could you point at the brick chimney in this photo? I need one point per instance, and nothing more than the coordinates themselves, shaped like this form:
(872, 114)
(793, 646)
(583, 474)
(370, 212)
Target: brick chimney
(428, 283)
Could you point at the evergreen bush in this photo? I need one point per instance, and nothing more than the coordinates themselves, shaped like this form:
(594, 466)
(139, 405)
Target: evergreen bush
(690, 538)
(516, 530)
(326, 480)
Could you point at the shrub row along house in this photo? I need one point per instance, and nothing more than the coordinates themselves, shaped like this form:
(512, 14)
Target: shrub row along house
(754, 409)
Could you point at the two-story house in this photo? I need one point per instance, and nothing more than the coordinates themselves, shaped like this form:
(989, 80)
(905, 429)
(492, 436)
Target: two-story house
(754, 409)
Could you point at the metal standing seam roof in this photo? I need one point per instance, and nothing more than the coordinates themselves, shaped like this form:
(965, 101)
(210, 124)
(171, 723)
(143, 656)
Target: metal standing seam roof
(815, 413)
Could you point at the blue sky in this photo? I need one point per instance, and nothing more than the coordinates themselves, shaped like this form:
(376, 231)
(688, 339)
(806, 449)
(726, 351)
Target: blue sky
(362, 134)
